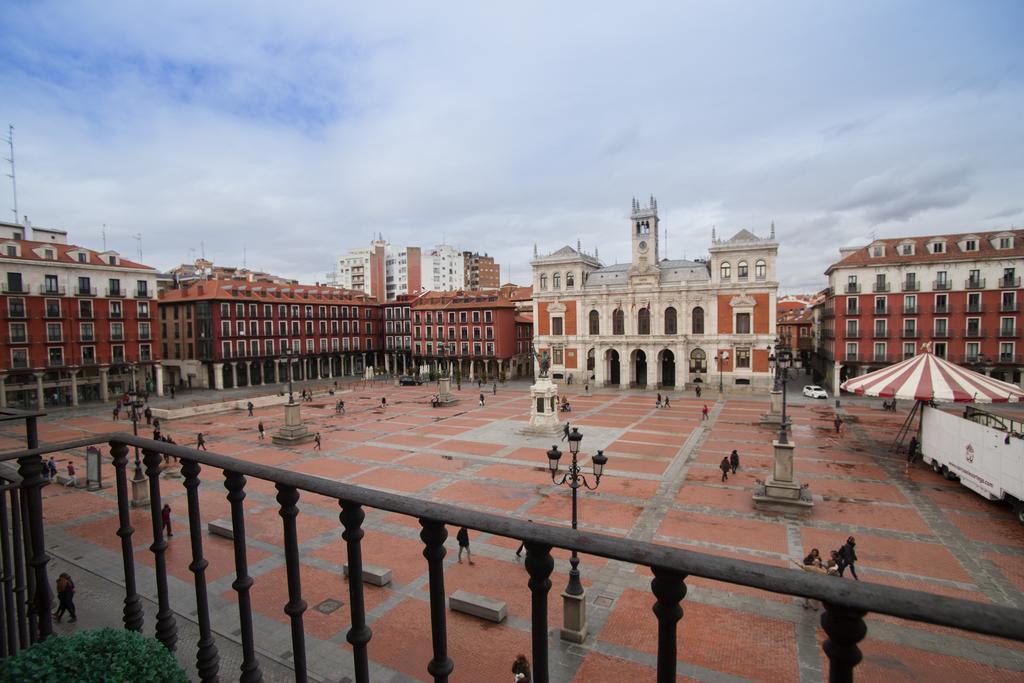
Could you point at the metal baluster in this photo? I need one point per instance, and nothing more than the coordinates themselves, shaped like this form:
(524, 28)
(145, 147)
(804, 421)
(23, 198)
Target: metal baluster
(166, 629)
(433, 536)
(845, 628)
(539, 565)
(20, 589)
(287, 497)
(32, 481)
(359, 634)
(207, 658)
(133, 614)
(234, 482)
(30, 576)
(669, 590)
(10, 624)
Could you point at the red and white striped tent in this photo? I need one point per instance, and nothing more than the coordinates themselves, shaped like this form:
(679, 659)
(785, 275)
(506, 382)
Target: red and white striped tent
(925, 377)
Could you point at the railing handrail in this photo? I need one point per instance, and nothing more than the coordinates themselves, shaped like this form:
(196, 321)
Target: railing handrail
(995, 620)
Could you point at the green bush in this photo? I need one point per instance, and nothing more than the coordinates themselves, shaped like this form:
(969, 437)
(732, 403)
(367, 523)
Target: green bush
(104, 655)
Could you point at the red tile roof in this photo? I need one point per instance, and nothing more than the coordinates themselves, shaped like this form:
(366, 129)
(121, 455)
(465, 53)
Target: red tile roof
(238, 291)
(953, 252)
(62, 254)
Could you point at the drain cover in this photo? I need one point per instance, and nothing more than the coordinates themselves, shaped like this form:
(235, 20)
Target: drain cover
(329, 605)
(604, 601)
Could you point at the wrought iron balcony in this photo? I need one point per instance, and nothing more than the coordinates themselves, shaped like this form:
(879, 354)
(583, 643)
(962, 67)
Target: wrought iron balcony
(910, 310)
(880, 334)
(942, 310)
(941, 334)
(116, 292)
(908, 333)
(85, 291)
(49, 290)
(881, 358)
(880, 287)
(881, 310)
(940, 285)
(974, 283)
(1008, 307)
(13, 288)
(975, 308)
(1008, 332)
(143, 293)
(846, 603)
(974, 333)
(852, 288)
(16, 311)
(911, 286)
(851, 357)
(1009, 282)
(851, 334)
(54, 362)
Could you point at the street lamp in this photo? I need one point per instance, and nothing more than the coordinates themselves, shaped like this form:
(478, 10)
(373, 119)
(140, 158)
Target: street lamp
(574, 479)
(287, 358)
(781, 361)
(135, 403)
(722, 357)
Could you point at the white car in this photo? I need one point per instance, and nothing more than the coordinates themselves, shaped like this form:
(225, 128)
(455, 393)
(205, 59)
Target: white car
(814, 391)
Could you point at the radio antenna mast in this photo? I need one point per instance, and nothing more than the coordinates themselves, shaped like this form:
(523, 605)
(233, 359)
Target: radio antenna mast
(11, 175)
(138, 239)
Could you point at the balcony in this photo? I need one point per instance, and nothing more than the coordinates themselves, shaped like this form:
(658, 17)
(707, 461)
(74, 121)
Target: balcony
(117, 336)
(54, 339)
(48, 290)
(828, 312)
(90, 337)
(881, 311)
(1011, 358)
(909, 333)
(1009, 282)
(851, 357)
(942, 310)
(848, 616)
(115, 315)
(851, 334)
(881, 358)
(19, 364)
(852, 288)
(880, 287)
(974, 283)
(1008, 332)
(85, 315)
(975, 308)
(18, 339)
(55, 362)
(940, 285)
(911, 285)
(910, 310)
(852, 312)
(974, 333)
(1008, 307)
(142, 293)
(85, 291)
(88, 361)
(116, 293)
(940, 334)
(880, 334)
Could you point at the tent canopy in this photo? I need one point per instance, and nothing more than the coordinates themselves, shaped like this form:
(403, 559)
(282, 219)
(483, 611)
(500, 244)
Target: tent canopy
(925, 377)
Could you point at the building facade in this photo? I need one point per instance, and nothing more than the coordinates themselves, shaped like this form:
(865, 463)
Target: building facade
(79, 323)
(656, 322)
(222, 333)
(481, 272)
(385, 272)
(961, 294)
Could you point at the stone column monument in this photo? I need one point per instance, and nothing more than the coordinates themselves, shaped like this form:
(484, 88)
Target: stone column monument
(543, 403)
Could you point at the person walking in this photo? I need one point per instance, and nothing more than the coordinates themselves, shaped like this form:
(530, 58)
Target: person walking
(172, 391)
(704, 412)
(911, 453)
(72, 477)
(117, 412)
(734, 460)
(697, 391)
(156, 423)
(200, 441)
(848, 558)
(838, 422)
(148, 413)
(521, 670)
(383, 402)
(165, 516)
(262, 432)
(481, 399)
(65, 598)
(657, 401)
(494, 389)
(51, 468)
(565, 431)
(667, 404)
(463, 538)
(724, 466)
(316, 441)
(250, 406)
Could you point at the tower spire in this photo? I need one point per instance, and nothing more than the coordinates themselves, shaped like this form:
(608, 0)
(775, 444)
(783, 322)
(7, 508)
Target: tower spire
(772, 236)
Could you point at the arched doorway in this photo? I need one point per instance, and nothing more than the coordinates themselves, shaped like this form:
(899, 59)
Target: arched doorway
(640, 369)
(590, 362)
(611, 357)
(668, 368)
(698, 361)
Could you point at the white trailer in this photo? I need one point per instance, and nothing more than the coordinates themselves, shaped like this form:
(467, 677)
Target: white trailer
(971, 447)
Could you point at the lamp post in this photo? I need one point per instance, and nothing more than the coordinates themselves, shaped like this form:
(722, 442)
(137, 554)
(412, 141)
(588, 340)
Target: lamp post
(575, 627)
(781, 361)
(134, 414)
(287, 358)
(722, 357)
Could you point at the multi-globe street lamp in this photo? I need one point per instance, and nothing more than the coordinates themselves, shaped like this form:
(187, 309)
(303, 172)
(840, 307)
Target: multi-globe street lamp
(722, 357)
(780, 362)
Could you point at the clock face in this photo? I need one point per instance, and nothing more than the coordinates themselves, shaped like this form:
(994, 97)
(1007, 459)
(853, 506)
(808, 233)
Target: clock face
(642, 245)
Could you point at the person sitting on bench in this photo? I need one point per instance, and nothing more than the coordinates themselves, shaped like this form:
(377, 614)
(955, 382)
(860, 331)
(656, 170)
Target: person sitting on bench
(435, 401)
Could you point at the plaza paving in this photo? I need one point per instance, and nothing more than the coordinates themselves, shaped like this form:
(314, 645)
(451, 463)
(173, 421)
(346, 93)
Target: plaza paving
(662, 484)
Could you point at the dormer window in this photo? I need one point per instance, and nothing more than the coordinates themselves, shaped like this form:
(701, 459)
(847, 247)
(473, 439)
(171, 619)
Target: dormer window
(938, 247)
(1004, 242)
(49, 254)
(11, 250)
(907, 249)
(112, 260)
(970, 245)
(878, 250)
(83, 258)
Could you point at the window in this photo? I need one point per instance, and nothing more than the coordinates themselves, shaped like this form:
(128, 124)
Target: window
(83, 258)
(742, 326)
(595, 322)
(117, 331)
(543, 282)
(743, 356)
(880, 284)
(141, 288)
(910, 304)
(570, 280)
(556, 281)
(970, 245)
(760, 269)
(880, 328)
(85, 308)
(878, 250)
(53, 332)
(741, 270)
(618, 322)
(725, 271)
(880, 351)
(880, 303)
(907, 249)
(698, 320)
(1006, 352)
(115, 309)
(974, 302)
(938, 247)
(142, 309)
(55, 356)
(1006, 327)
(974, 327)
(241, 328)
(910, 283)
(19, 358)
(144, 330)
(19, 335)
(643, 321)
(556, 356)
(670, 320)
(908, 350)
(974, 278)
(852, 328)
(50, 284)
(1008, 301)
(84, 286)
(698, 361)
(53, 308)
(1005, 242)
(851, 305)
(910, 328)
(941, 327)
(851, 351)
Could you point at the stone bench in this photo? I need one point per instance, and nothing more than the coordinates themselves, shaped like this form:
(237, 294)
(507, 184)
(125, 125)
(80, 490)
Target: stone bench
(478, 606)
(221, 527)
(377, 576)
(62, 479)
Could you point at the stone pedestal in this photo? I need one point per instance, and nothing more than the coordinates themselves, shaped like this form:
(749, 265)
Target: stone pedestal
(782, 492)
(574, 617)
(140, 491)
(444, 392)
(774, 414)
(543, 409)
(293, 432)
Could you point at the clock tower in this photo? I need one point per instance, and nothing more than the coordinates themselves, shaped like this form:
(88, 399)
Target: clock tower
(645, 234)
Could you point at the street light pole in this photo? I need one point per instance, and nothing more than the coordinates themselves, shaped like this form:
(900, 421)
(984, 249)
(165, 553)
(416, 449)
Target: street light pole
(135, 420)
(288, 362)
(575, 606)
(722, 357)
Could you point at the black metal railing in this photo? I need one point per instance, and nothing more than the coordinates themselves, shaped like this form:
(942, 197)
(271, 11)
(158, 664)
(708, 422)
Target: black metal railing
(911, 285)
(1009, 282)
(880, 287)
(845, 603)
(940, 285)
(974, 283)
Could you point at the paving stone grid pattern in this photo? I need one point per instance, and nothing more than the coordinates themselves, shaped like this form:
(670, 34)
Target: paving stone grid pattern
(662, 484)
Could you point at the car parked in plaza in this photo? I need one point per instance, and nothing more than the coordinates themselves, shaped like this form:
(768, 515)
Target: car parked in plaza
(814, 391)
(409, 381)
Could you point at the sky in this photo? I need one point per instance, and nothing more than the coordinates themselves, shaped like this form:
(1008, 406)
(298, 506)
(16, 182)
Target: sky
(283, 134)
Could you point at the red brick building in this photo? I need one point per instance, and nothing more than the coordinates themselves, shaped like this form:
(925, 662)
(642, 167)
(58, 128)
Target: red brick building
(959, 293)
(78, 322)
(222, 334)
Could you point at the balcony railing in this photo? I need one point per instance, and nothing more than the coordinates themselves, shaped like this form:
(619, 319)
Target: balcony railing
(18, 339)
(880, 287)
(941, 334)
(880, 334)
(846, 603)
(975, 308)
(828, 312)
(852, 311)
(47, 290)
(881, 358)
(851, 357)
(940, 285)
(1008, 332)
(910, 310)
(89, 361)
(852, 288)
(974, 333)
(16, 311)
(19, 364)
(911, 286)
(88, 337)
(1008, 307)
(974, 283)
(54, 338)
(52, 313)
(851, 334)
(85, 291)
(1014, 358)
(143, 293)
(908, 333)
(54, 362)
(942, 310)
(1009, 282)
(881, 311)
(116, 292)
